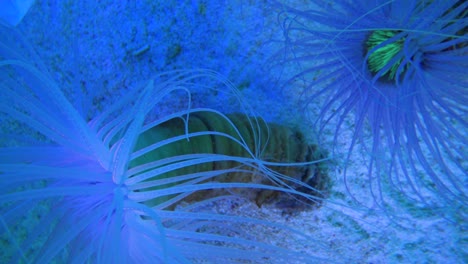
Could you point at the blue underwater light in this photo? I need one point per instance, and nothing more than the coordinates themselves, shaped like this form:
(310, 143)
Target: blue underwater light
(153, 132)
(13, 11)
(396, 70)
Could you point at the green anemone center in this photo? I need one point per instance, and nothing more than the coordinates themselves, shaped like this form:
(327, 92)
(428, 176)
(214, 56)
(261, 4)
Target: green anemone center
(382, 56)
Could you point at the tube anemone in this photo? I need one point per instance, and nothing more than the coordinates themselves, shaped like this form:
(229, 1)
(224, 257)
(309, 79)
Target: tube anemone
(397, 71)
(103, 192)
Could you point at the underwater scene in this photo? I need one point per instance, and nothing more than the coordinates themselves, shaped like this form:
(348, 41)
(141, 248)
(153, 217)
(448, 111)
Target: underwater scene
(240, 131)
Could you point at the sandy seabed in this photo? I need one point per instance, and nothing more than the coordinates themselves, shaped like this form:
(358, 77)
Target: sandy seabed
(100, 50)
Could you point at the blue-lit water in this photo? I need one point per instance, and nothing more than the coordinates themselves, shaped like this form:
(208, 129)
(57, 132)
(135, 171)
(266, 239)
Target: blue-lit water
(98, 53)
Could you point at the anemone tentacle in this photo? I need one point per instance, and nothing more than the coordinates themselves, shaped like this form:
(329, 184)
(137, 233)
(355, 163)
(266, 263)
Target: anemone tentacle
(399, 69)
